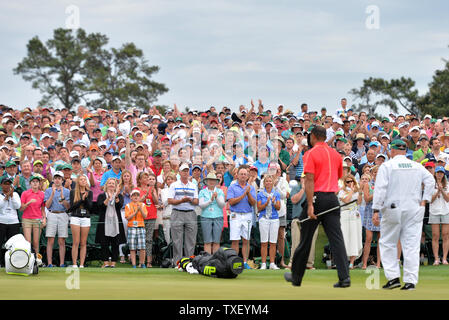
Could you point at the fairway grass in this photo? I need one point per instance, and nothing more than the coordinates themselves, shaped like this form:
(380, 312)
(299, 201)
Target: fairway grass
(170, 284)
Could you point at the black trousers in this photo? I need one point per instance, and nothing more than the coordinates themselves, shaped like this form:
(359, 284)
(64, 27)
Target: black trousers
(6, 232)
(332, 227)
(110, 248)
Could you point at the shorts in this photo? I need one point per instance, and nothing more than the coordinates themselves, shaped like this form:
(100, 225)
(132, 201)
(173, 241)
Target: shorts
(240, 225)
(82, 222)
(438, 219)
(31, 223)
(136, 238)
(283, 221)
(57, 223)
(212, 228)
(268, 229)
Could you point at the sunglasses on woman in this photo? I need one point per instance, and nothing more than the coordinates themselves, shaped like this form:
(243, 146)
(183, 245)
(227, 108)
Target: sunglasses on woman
(349, 181)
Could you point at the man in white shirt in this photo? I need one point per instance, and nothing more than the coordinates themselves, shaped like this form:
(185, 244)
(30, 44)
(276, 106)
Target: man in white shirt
(9, 220)
(330, 132)
(400, 196)
(183, 195)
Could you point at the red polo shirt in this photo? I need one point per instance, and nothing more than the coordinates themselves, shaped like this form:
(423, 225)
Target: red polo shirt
(156, 171)
(327, 166)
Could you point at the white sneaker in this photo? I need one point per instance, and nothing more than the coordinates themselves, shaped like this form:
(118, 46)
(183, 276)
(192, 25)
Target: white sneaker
(75, 266)
(81, 267)
(273, 266)
(263, 266)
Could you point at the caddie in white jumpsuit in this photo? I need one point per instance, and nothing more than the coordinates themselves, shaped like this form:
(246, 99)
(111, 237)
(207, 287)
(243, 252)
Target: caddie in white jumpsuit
(399, 196)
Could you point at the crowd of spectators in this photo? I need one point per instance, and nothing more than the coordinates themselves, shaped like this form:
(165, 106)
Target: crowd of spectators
(138, 170)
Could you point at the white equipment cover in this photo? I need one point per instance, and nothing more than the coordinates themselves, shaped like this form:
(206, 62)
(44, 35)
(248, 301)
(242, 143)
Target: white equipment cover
(19, 259)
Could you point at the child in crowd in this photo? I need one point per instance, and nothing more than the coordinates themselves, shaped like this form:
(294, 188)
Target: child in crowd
(135, 213)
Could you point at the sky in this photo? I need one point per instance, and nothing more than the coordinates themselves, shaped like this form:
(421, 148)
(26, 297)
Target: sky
(227, 52)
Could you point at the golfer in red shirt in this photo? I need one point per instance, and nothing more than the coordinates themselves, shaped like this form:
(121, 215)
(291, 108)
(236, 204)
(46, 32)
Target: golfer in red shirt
(323, 166)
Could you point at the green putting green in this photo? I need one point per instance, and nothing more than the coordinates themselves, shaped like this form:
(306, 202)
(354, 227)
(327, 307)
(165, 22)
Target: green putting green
(169, 284)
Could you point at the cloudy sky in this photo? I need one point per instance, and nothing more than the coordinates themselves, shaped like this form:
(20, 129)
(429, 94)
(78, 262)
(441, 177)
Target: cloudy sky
(227, 52)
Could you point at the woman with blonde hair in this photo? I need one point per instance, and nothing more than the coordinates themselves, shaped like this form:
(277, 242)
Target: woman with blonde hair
(110, 230)
(370, 228)
(81, 209)
(166, 170)
(125, 186)
(268, 205)
(350, 220)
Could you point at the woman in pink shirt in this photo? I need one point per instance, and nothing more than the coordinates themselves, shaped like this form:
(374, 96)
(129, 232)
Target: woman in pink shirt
(33, 207)
(95, 179)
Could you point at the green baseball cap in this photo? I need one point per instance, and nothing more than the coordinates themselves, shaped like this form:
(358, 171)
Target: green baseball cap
(398, 145)
(157, 153)
(178, 119)
(66, 166)
(33, 177)
(10, 163)
(343, 140)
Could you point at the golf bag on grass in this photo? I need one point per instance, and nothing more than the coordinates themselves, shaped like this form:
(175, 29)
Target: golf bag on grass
(19, 259)
(225, 263)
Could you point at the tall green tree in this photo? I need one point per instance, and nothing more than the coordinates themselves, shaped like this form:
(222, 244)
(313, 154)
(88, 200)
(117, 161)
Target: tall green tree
(75, 67)
(122, 78)
(436, 101)
(392, 94)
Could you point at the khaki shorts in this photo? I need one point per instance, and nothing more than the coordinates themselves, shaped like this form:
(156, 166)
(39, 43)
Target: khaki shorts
(31, 223)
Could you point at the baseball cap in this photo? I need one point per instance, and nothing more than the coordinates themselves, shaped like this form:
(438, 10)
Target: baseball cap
(429, 164)
(375, 124)
(45, 135)
(360, 136)
(440, 169)
(112, 129)
(135, 191)
(381, 155)
(9, 139)
(116, 158)
(67, 166)
(6, 179)
(374, 143)
(33, 177)
(403, 124)
(10, 163)
(423, 137)
(74, 154)
(74, 128)
(157, 153)
(398, 145)
(196, 166)
(38, 162)
(58, 173)
(183, 167)
(415, 128)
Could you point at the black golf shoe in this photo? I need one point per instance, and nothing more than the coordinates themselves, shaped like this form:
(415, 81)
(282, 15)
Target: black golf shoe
(343, 283)
(392, 284)
(408, 286)
(289, 278)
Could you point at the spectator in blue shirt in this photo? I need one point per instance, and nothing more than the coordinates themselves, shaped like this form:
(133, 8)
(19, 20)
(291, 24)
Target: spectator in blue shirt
(262, 162)
(115, 172)
(241, 197)
(268, 204)
(57, 201)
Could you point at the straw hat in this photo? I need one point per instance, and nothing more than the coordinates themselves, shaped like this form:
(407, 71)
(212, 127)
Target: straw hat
(211, 176)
